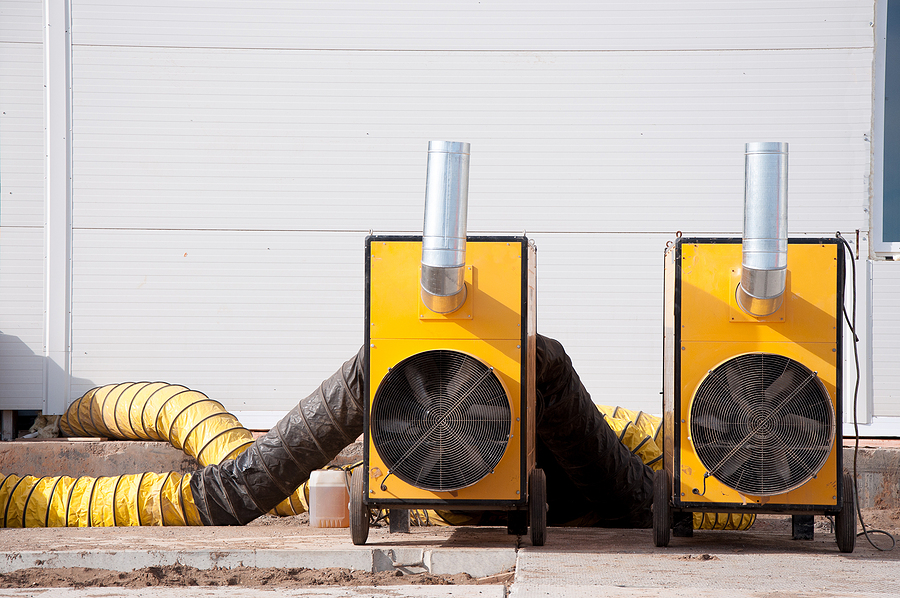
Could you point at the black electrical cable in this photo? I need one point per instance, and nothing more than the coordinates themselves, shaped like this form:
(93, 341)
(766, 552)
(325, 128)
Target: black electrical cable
(852, 325)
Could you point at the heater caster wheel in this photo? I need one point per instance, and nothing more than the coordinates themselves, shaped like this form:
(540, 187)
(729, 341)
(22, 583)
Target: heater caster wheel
(359, 512)
(537, 507)
(662, 512)
(845, 520)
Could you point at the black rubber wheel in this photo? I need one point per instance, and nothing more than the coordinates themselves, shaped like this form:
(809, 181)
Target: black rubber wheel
(537, 507)
(359, 512)
(662, 511)
(845, 520)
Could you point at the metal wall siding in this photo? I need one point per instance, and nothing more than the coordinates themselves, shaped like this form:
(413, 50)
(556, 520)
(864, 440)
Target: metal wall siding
(470, 25)
(601, 296)
(254, 319)
(20, 21)
(21, 317)
(21, 205)
(228, 161)
(21, 135)
(886, 339)
(299, 140)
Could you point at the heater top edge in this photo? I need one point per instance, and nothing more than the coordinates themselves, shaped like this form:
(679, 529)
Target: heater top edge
(737, 240)
(469, 238)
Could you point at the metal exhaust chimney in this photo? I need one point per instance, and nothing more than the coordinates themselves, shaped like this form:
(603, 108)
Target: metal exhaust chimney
(764, 261)
(444, 235)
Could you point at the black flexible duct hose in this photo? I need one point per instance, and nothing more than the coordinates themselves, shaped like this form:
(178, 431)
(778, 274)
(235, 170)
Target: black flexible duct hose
(613, 482)
(307, 438)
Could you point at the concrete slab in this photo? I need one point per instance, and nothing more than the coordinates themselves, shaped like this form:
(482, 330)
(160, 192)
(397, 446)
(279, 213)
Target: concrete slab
(94, 459)
(79, 457)
(878, 476)
(477, 562)
(478, 552)
(624, 563)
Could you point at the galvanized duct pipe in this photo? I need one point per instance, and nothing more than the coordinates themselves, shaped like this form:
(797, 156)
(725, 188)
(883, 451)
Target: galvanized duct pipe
(764, 262)
(444, 235)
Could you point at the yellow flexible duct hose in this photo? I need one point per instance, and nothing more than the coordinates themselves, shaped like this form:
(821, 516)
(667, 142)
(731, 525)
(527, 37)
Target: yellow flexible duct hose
(185, 418)
(126, 500)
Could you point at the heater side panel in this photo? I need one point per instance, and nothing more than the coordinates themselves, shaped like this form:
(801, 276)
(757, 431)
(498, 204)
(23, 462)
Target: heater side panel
(530, 377)
(671, 340)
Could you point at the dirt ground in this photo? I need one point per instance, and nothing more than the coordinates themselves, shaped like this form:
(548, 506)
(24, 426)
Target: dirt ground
(181, 575)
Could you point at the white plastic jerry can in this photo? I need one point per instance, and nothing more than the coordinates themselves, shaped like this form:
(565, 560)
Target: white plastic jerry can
(328, 498)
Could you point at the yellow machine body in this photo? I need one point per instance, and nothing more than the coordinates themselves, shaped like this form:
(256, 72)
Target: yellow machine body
(704, 327)
(495, 325)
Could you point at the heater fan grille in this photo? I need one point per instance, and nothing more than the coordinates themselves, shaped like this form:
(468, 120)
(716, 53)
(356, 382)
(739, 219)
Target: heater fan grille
(440, 420)
(762, 424)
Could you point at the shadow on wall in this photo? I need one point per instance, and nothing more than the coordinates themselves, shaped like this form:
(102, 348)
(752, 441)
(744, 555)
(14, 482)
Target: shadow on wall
(22, 377)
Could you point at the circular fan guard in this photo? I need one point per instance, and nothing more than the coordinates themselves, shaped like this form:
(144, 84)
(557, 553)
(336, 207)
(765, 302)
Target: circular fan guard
(440, 420)
(762, 424)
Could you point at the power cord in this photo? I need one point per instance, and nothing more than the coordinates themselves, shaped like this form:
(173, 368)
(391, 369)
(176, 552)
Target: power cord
(852, 325)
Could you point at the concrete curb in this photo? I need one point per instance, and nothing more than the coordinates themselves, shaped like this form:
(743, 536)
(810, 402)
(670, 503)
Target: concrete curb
(439, 561)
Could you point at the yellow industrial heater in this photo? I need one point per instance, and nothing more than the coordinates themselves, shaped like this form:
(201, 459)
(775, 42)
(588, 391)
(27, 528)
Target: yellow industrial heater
(450, 335)
(752, 375)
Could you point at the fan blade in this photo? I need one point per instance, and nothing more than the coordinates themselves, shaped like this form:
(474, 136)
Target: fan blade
(740, 393)
(482, 413)
(398, 427)
(429, 455)
(710, 421)
(732, 465)
(806, 458)
(805, 431)
(782, 386)
(462, 383)
(418, 384)
(778, 470)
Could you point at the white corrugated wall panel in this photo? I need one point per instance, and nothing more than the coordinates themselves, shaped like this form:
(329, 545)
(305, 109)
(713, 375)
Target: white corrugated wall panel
(208, 137)
(886, 339)
(20, 21)
(275, 140)
(601, 296)
(21, 205)
(21, 317)
(253, 319)
(21, 135)
(522, 25)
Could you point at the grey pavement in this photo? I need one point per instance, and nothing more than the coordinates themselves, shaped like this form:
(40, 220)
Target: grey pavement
(735, 564)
